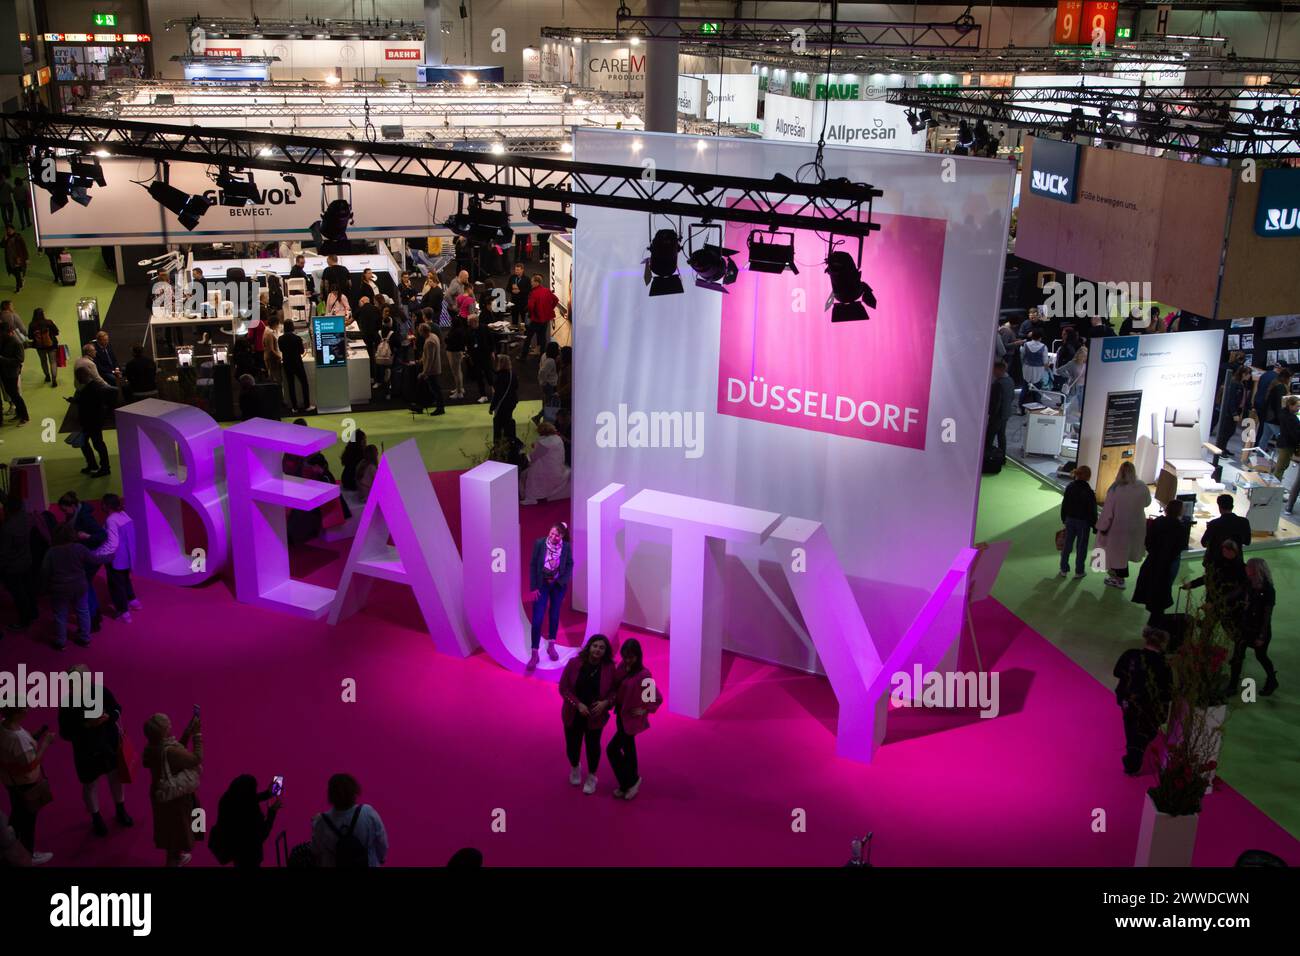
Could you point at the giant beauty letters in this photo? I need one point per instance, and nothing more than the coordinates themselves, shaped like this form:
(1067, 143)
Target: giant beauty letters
(169, 457)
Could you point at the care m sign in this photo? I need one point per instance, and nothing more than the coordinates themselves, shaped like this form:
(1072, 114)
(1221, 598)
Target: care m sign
(1054, 170)
(1278, 212)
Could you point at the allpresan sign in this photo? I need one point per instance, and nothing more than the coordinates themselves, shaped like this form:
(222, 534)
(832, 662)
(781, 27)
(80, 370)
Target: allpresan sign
(1278, 212)
(1054, 170)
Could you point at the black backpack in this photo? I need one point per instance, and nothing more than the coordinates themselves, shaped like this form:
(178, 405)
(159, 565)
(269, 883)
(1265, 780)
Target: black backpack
(350, 853)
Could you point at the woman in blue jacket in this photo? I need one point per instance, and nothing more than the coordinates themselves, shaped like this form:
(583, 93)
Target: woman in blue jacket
(548, 575)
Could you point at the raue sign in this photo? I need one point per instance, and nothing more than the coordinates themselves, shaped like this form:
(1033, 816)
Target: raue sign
(473, 602)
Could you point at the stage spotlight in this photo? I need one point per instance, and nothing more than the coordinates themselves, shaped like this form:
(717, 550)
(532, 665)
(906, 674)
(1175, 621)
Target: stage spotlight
(330, 232)
(88, 169)
(234, 191)
(768, 254)
(965, 135)
(188, 209)
(913, 121)
(552, 220)
(661, 265)
(714, 268)
(850, 295)
(481, 225)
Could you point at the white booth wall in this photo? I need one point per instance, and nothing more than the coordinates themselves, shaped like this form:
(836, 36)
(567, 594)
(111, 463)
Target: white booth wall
(897, 506)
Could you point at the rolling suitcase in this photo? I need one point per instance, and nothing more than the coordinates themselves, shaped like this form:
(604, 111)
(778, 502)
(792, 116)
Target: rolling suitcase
(67, 269)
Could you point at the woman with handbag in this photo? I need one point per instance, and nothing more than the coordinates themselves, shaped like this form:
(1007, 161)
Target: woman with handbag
(587, 688)
(96, 745)
(174, 771)
(21, 754)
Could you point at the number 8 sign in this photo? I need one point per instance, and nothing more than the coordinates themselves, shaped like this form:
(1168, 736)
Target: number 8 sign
(1100, 15)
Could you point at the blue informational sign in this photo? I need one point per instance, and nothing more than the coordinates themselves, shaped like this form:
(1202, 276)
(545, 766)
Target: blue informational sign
(1278, 212)
(330, 339)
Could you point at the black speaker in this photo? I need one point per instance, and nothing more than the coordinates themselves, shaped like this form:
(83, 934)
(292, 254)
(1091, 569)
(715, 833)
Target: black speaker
(268, 400)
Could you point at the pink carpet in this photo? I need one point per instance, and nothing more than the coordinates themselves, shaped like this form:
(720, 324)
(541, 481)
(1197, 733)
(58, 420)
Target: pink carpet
(440, 745)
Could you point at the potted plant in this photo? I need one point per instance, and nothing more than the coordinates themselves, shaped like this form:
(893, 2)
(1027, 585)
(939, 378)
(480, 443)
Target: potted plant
(1193, 739)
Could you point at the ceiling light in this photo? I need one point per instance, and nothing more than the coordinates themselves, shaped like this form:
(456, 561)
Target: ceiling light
(771, 252)
(552, 220)
(850, 295)
(661, 265)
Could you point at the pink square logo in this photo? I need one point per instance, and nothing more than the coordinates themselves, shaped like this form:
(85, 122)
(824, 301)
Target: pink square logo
(782, 360)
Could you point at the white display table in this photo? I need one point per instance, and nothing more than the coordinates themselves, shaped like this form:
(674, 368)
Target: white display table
(358, 374)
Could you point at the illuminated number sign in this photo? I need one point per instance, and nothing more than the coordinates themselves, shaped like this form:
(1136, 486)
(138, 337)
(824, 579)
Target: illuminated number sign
(1069, 20)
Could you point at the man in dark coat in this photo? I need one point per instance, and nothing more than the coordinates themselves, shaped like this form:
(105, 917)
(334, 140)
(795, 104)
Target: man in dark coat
(1002, 403)
(1167, 539)
(1143, 692)
(1226, 526)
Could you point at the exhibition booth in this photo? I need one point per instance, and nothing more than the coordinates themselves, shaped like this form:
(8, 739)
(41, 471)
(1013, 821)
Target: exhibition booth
(1139, 228)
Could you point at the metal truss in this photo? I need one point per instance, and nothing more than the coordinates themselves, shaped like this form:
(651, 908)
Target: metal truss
(1119, 60)
(377, 110)
(837, 206)
(1216, 121)
(763, 32)
(232, 28)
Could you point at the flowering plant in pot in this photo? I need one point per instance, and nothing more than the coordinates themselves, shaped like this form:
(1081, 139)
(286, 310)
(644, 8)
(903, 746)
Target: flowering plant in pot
(1197, 712)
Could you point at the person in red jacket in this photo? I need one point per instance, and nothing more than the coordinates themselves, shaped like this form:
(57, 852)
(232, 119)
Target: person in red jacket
(541, 311)
(635, 698)
(587, 687)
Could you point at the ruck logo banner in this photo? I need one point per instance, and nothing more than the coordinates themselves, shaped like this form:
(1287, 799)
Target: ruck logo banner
(1054, 170)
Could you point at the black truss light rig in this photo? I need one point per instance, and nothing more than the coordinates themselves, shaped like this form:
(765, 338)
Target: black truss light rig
(1222, 122)
(834, 206)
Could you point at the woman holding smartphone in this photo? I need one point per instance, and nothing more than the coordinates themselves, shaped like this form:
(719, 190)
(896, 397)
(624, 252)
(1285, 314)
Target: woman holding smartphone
(242, 829)
(549, 573)
(587, 688)
(635, 698)
(174, 771)
(21, 754)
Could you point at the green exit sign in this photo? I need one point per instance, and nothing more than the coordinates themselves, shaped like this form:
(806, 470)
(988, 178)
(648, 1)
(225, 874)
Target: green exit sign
(1124, 33)
(105, 19)
(710, 27)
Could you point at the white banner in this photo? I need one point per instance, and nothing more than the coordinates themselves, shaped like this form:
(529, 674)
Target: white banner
(297, 56)
(731, 97)
(612, 69)
(853, 123)
(821, 451)
(532, 65)
(123, 212)
(1170, 370)
(691, 91)
(787, 118)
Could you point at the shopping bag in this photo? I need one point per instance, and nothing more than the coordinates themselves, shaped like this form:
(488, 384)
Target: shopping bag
(125, 757)
(62, 356)
(331, 514)
(1060, 539)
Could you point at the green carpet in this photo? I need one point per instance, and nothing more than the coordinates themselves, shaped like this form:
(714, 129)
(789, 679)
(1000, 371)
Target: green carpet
(1094, 624)
(47, 406)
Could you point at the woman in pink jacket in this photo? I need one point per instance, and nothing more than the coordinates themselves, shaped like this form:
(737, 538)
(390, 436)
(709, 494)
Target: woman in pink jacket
(587, 687)
(635, 698)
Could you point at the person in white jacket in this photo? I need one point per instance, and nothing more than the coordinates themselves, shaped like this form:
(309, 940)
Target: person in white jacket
(118, 552)
(1122, 527)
